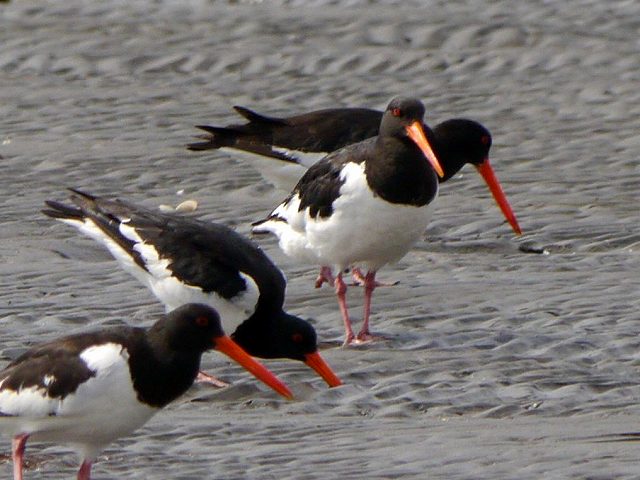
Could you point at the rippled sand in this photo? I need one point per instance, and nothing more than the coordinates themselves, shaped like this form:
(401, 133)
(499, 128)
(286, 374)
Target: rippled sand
(500, 363)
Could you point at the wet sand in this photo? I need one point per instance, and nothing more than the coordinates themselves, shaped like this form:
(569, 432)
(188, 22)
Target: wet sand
(499, 363)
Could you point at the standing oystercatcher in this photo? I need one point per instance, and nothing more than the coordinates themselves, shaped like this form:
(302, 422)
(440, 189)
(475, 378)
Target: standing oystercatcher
(284, 148)
(183, 260)
(89, 389)
(362, 206)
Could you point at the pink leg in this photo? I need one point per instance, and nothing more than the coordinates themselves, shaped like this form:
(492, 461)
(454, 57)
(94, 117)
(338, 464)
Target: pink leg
(211, 380)
(325, 275)
(369, 286)
(341, 290)
(18, 445)
(85, 470)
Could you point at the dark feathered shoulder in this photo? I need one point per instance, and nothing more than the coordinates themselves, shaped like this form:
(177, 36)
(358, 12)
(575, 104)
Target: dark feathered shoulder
(56, 367)
(320, 186)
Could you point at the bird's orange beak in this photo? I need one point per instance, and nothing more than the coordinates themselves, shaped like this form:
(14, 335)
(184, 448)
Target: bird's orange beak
(496, 190)
(315, 361)
(416, 133)
(230, 348)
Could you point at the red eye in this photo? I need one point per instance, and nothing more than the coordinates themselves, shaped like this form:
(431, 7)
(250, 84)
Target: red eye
(296, 337)
(202, 321)
(396, 112)
(485, 140)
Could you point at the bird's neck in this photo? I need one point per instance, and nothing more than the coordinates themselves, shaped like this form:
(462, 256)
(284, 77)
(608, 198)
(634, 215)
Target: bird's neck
(162, 374)
(400, 173)
(257, 334)
(450, 157)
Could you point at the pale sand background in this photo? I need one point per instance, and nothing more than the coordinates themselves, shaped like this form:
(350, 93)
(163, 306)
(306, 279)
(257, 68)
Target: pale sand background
(502, 364)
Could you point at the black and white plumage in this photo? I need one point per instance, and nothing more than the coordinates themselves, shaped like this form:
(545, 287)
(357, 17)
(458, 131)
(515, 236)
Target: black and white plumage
(283, 148)
(87, 390)
(296, 142)
(183, 260)
(362, 206)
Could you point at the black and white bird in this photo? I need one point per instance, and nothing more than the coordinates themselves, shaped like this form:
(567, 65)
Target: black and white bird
(283, 148)
(363, 206)
(184, 260)
(89, 389)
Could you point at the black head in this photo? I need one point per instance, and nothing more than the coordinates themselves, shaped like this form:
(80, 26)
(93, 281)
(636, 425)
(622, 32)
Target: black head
(168, 363)
(191, 327)
(284, 336)
(184, 333)
(297, 337)
(403, 133)
(278, 335)
(400, 113)
(460, 141)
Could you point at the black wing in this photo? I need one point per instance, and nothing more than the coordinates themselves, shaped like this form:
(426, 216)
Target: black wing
(56, 367)
(318, 131)
(320, 186)
(203, 254)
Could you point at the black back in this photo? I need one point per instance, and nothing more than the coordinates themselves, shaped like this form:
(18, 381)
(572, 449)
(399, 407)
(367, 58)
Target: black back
(203, 254)
(395, 168)
(318, 131)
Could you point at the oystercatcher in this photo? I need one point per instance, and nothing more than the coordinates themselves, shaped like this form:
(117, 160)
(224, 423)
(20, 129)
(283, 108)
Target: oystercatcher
(183, 260)
(89, 389)
(297, 142)
(362, 206)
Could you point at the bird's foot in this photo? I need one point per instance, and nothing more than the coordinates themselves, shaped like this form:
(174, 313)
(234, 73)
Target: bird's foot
(358, 280)
(210, 380)
(349, 341)
(367, 337)
(361, 339)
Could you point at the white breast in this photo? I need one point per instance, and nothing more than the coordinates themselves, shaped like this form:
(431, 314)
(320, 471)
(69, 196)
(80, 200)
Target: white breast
(363, 230)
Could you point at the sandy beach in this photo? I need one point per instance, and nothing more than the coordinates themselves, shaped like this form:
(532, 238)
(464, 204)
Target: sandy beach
(507, 357)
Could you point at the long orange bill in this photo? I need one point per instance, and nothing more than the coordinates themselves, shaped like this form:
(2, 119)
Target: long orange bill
(496, 190)
(315, 361)
(416, 133)
(230, 348)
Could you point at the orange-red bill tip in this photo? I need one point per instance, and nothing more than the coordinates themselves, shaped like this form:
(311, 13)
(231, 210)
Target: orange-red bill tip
(230, 348)
(416, 133)
(315, 361)
(498, 194)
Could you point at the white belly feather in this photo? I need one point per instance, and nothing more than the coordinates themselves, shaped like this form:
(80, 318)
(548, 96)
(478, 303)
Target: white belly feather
(363, 230)
(102, 409)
